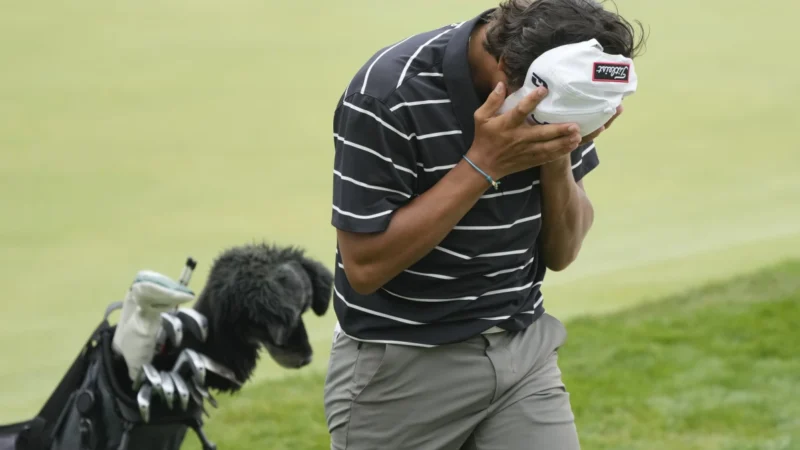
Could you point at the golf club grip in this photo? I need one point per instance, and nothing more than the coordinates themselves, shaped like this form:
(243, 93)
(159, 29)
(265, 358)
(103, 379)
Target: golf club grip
(188, 268)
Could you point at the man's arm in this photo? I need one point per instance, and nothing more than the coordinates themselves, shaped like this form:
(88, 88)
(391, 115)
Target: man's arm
(372, 259)
(567, 214)
(381, 229)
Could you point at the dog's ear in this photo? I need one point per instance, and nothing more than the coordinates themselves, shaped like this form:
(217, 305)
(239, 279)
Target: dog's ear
(322, 284)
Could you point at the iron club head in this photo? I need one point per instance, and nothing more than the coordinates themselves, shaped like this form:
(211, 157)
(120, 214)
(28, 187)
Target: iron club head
(196, 323)
(189, 358)
(173, 328)
(181, 389)
(194, 393)
(197, 396)
(149, 374)
(167, 389)
(205, 394)
(218, 369)
(143, 399)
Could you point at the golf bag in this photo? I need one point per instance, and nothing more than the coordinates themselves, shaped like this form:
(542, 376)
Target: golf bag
(94, 407)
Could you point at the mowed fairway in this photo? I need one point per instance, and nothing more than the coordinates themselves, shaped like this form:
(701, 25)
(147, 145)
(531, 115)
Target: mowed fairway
(693, 371)
(134, 134)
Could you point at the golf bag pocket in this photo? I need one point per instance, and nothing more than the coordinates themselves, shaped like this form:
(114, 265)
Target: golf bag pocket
(9, 435)
(105, 415)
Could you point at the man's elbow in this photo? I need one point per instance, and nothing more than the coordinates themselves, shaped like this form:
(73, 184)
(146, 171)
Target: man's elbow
(360, 261)
(558, 266)
(560, 262)
(361, 279)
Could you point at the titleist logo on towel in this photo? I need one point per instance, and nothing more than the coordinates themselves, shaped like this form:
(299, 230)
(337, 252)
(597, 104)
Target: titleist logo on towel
(613, 72)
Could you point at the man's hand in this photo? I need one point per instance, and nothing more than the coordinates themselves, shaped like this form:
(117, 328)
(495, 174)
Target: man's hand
(506, 143)
(590, 137)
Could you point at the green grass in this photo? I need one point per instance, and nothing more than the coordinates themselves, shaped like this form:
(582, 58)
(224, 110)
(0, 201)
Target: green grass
(710, 369)
(134, 133)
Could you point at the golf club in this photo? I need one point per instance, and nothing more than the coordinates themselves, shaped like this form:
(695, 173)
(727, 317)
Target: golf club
(171, 326)
(181, 389)
(168, 389)
(197, 397)
(173, 329)
(190, 358)
(193, 392)
(196, 323)
(218, 369)
(143, 399)
(186, 275)
(205, 394)
(149, 374)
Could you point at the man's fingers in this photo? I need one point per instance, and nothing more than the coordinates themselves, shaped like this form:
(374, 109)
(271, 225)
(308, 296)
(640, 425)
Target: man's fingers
(493, 103)
(548, 151)
(541, 133)
(614, 117)
(526, 106)
(592, 136)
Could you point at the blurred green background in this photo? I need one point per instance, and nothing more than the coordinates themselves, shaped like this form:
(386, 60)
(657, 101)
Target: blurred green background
(135, 134)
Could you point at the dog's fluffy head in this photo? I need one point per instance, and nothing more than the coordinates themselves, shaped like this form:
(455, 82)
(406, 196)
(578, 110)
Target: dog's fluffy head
(255, 296)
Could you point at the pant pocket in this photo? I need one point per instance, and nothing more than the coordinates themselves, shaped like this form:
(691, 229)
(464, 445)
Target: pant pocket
(372, 357)
(337, 392)
(556, 331)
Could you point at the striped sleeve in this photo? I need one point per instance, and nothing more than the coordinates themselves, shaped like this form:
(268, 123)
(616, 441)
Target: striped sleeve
(374, 165)
(584, 160)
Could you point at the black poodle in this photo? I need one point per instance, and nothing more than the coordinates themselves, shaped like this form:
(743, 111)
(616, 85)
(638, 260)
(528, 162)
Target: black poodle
(255, 296)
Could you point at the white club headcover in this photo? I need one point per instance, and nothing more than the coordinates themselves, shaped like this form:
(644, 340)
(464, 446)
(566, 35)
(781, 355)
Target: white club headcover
(140, 320)
(585, 85)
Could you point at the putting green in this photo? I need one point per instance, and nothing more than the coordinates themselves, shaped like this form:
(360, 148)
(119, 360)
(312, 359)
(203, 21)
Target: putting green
(133, 135)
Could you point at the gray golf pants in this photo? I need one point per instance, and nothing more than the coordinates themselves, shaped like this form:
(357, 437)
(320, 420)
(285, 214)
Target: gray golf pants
(494, 391)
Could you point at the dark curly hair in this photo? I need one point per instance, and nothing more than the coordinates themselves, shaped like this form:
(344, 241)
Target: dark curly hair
(521, 30)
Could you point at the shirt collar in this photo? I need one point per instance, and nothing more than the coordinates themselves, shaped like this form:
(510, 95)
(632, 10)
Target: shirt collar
(458, 77)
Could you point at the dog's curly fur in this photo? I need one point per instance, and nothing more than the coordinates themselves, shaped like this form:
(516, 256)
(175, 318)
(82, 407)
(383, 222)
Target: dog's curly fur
(255, 296)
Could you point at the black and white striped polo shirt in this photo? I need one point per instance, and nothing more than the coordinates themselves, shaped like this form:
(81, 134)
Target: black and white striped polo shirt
(405, 119)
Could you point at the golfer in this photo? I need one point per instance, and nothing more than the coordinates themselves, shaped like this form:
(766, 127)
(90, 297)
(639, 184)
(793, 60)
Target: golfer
(448, 216)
